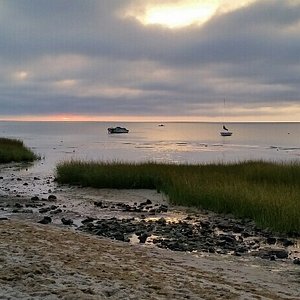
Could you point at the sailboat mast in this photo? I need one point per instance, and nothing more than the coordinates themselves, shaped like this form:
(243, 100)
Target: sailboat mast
(225, 131)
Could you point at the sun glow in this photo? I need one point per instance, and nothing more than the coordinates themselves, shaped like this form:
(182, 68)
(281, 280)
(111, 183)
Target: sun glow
(182, 13)
(180, 16)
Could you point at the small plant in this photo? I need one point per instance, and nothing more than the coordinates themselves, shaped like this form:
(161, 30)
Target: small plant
(268, 193)
(14, 150)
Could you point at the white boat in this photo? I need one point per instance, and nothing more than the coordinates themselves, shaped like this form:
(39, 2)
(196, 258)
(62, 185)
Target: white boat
(117, 130)
(225, 131)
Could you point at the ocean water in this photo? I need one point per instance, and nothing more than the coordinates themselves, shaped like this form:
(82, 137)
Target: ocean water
(174, 142)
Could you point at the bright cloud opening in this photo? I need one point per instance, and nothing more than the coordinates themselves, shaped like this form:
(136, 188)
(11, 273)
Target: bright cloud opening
(176, 14)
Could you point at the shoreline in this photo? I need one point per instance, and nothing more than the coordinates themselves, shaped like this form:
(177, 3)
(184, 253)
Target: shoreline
(58, 261)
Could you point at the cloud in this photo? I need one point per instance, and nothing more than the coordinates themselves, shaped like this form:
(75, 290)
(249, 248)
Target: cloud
(89, 57)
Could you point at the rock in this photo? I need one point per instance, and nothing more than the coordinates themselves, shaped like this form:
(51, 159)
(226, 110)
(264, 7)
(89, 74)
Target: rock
(119, 236)
(88, 220)
(237, 228)
(143, 237)
(148, 201)
(35, 198)
(161, 221)
(286, 242)
(162, 208)
(296, 261)
(44, 210)
(271, 240)
(57, 211)
(3, 218)
(36, 178)
(52, 197)
(205, 224)
(267, 253)
(228, 238)
(67, 221)
(98, 203)
(18, 205)
(45, 220)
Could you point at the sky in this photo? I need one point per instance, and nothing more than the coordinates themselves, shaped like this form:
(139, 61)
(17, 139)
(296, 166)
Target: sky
(150, 60)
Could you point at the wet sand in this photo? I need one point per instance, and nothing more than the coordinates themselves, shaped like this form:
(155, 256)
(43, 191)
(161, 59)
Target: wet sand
(47, 262)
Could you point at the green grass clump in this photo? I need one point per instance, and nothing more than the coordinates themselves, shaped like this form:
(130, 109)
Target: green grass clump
(268, 193)
(12, 150)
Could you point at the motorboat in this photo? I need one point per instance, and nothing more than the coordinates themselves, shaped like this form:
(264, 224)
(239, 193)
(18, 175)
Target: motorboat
(117, 130)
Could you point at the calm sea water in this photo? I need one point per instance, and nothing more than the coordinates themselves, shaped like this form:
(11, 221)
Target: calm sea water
(173, 142)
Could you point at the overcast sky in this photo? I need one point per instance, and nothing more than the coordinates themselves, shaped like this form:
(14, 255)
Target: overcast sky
(150, 60)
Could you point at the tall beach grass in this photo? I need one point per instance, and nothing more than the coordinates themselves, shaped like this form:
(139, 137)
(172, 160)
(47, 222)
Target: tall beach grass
(12, 150)
(268, 193)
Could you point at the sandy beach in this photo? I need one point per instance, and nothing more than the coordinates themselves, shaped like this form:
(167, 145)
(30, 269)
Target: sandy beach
(47, 262)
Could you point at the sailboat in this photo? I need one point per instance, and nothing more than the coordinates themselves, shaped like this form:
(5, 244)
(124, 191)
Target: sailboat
(225, 131)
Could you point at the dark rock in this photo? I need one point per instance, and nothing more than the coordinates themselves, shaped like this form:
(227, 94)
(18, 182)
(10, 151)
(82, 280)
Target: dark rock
(45, 220)
(242, 249)
(152, 212)
(31, 205)
(18, 205)
(57, 211)
(44, 210)
(67, 221)
(228, 238)
(148, 201)
(3, 218)
(52, 197)
(35, 198)
(237, 229)
(266, 253)
(162, 208)
(296, 261)
(271, 240)
(205, 224)
(143, 237)
(98, 203)
(88, 220)
(36, 178)
(19, 179)
(119, 236)
(286, 242)
(161, 221)
(25, 183)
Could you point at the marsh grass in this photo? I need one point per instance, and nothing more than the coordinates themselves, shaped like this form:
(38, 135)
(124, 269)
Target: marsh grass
(14, 150)
(268, 193)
